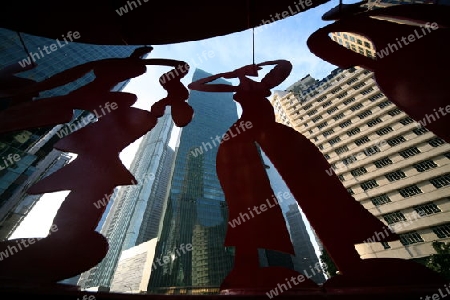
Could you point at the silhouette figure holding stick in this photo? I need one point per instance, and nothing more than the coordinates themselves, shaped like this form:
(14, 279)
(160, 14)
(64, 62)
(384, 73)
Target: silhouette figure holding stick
(93, 175)
(322, 198)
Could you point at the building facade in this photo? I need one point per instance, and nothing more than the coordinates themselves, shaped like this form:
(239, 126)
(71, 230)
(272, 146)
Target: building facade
(32, 149)
(394, 167)
(196, 211)
(136, 210)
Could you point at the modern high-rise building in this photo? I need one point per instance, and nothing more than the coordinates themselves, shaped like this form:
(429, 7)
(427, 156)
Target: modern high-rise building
(135, 214)
(196, 212)
(32, 149)
(394, 167)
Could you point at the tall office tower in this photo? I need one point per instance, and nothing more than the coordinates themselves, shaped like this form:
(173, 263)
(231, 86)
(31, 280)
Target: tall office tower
(394, 167)
(196, 213)
(136, 211)
(32, 149)
(305, 259)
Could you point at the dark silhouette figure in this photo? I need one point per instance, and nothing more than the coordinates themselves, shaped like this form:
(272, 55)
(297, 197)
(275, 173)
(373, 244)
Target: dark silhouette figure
(324, 200)
(97, 170)
(412, 61)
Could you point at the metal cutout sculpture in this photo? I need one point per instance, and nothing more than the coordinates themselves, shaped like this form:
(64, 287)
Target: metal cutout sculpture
(413, 71)
(322, 198)
(73, 245)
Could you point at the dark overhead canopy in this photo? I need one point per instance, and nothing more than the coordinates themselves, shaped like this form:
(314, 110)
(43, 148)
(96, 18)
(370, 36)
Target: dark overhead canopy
(149, 22)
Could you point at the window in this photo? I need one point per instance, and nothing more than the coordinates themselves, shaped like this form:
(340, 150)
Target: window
(394, 217)
(339, 116)
(384, 104)
(349, 82)
(376, 96)
(320, 147)
(409, 152)
(435, 142)
(345, 36)
(326, 104)
(308, 106)
(359, 42)
(425, 165)
(410, 191)
(334, 91)
(385, 245)
(342, 95)
(382, 162)
(341, 177)
(352, 39)
(321, 98)
(322, 125)
(396, 141)
(397, 175)
(371, 150)
(311, 112)
(345, 124)
(366, 91)
(380, 200)
(359, 85)
(410, 238)
(368, 185)
(332, 110)
(334, 141)
(326, 156)
(342, 149)
(353, 131)
(367, 44)
(442, 231)
(349, 160)
(365, 114)
(374, 122)
(350, 191)
(358, 172)
(356, 107)
(328, 132)
(362, 140)
(406, 121)
(427, 209)
(315, 119)
(420, 130)
(384, 130)
(441, 181)
(349, 100)
(394, 112)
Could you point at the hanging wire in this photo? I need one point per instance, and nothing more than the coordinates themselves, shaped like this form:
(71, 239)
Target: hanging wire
(25, 48)
(253, 31)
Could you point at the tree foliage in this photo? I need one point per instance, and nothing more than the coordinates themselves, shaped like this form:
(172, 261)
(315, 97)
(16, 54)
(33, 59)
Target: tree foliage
(440, 262)
(330, 267)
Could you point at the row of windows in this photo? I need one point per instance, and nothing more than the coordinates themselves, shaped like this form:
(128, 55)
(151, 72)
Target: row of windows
(409, 191)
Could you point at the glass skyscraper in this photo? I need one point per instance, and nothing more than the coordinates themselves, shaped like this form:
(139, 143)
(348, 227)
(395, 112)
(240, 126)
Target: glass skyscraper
(196, 211)
(135, 214)
(34, 145)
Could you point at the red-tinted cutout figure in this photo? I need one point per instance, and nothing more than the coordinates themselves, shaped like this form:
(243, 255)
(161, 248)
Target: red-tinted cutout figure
(412, 63)
(323, 198)
(97, 170)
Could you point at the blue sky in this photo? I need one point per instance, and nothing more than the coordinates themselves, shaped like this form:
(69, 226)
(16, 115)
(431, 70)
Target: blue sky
(284, 39)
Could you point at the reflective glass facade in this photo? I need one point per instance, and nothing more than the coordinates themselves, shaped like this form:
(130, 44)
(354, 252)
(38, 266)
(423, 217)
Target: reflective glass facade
(30, 147)
(196, 211)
